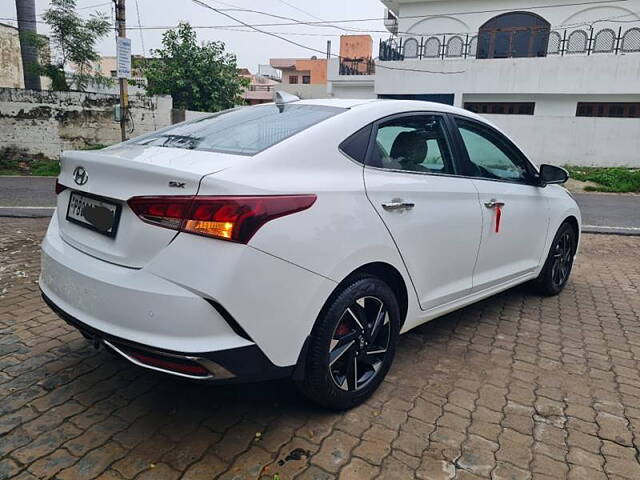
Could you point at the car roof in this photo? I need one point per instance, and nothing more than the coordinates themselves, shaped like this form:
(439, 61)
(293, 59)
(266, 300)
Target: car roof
(400, 106)
(379, 107)
(337, 102)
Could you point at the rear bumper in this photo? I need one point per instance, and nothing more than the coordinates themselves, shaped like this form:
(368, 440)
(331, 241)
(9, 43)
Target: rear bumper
(237, 364)
(197, 297)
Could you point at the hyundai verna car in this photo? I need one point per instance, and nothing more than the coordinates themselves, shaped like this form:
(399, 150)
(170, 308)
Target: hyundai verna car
(299, 238)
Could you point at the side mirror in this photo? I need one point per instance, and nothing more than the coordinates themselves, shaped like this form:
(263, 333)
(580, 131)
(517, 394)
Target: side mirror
(550, 174)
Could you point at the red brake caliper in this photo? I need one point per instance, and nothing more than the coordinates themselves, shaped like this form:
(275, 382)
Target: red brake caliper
(342, 329)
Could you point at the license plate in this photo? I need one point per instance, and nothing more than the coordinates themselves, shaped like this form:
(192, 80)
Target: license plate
(94, 213)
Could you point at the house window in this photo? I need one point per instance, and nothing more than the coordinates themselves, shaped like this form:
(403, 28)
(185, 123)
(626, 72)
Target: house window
(606, 109)
(501, 108)
(113, 73)
(514, 34)
(293, 79)
(306, 79)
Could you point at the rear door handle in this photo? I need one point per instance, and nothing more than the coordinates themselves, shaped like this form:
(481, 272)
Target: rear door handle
(493, 203)
(396, 205)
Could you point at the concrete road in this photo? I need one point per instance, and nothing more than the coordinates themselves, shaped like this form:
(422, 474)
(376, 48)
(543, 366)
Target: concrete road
(27, 196)
(609, 213)
(602, 213)
(515, 384)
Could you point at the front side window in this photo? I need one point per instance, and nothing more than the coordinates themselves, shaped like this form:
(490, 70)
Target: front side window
(243, 131)
(413, 144)
(490, 155)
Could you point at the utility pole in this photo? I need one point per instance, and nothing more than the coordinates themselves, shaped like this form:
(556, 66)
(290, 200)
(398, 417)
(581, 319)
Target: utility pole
(26, 10)
(124, 92)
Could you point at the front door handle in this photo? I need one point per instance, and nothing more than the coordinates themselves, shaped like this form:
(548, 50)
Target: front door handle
(493, 203)
(397, 205)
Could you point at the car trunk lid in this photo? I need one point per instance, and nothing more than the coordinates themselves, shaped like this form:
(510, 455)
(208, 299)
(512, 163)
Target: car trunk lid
(109, 178)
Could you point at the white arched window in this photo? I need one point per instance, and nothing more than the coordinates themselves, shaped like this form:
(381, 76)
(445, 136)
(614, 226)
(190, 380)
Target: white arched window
(604, 41)
(473, 46)
(577, 42)
(455, 47)
(411, 48)
(631, 40)
(554, 43)
(431, 48)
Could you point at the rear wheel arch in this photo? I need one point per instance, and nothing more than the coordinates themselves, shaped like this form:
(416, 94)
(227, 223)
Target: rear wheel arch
(381, 270)
(387, 273)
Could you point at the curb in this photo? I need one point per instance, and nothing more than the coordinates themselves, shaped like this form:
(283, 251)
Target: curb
(614, 231)
(17, 212)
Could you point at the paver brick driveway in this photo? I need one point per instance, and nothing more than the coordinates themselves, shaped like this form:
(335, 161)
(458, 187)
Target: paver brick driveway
(514, 387)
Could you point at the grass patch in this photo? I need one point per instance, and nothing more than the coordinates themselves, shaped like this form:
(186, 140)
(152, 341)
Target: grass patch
(611, 179)
(45, 168)
(17, 161)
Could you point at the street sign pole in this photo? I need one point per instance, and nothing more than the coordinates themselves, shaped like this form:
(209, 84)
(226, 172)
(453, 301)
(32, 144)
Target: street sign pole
(121, 56)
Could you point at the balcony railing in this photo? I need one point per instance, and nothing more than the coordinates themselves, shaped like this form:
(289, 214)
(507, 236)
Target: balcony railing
(261, 88)
(357, 66)
(564, 42)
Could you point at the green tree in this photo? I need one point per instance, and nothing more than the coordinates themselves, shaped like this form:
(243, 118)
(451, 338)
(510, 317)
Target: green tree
(74, 39)
(197, 76)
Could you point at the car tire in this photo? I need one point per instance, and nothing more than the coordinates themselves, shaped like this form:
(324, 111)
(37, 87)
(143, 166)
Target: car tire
(352, 344)
(557, 268)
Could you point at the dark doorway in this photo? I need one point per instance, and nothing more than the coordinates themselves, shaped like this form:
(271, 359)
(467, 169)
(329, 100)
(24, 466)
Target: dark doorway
(446, 98)
(514, 34)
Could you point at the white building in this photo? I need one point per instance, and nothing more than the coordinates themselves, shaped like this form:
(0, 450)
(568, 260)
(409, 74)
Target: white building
(562, 78)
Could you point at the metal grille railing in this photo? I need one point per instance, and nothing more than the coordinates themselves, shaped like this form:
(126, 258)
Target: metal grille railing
(357, 66)
(574, 42)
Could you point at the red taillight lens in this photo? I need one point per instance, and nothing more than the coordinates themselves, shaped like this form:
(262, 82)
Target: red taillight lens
(228, 218)
(166, 212)
(59, 187)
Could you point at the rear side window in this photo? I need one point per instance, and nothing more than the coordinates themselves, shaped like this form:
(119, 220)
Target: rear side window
(412, 143)
(243, 131)
(356, 145)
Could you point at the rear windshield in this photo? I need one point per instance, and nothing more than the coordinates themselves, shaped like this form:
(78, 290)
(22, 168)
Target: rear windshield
(244, 131)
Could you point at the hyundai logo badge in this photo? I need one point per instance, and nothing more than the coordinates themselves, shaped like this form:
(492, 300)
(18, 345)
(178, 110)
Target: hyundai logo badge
(80, 176)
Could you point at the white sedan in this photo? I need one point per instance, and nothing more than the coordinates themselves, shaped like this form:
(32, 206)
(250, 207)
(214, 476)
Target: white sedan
(299, 238)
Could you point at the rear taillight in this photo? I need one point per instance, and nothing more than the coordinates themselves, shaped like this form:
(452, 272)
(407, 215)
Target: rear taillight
(162, 211)
(59, 187)
(228, 218)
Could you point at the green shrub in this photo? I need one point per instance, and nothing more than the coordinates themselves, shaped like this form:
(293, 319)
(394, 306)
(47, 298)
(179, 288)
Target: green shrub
(17, 161)
(609, 179)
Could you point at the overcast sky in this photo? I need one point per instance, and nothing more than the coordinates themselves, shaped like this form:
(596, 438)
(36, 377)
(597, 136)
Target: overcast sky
(251, 48)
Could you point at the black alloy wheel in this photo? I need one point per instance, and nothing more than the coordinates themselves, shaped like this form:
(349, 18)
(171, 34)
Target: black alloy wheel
(562, 259)
(359, 343)
(352, 344)
(557, 268)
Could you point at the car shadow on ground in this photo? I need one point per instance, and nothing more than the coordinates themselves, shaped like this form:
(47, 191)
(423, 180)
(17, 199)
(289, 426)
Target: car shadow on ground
(179, 405)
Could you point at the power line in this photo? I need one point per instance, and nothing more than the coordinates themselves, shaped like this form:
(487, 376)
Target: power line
(236, 28)
(294, 21)
(94, 6)
(201, 3)
(329, 23)
(351, 20)
(300, 10)
(140, 29)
